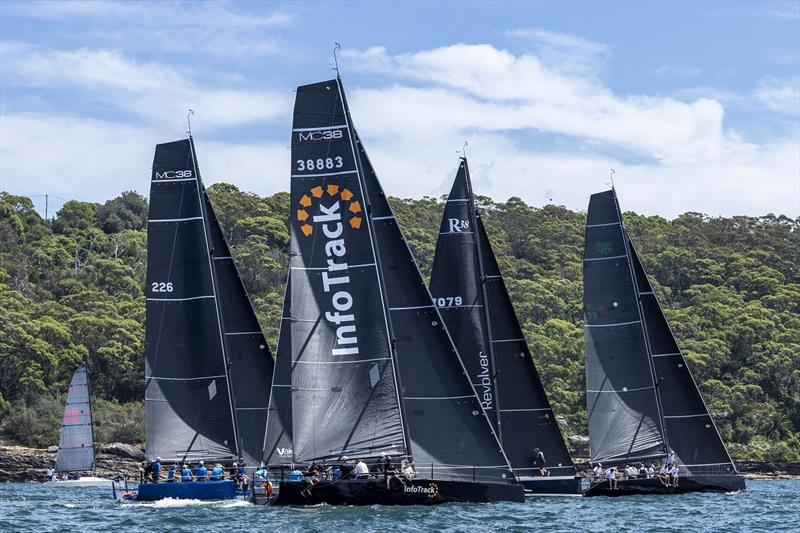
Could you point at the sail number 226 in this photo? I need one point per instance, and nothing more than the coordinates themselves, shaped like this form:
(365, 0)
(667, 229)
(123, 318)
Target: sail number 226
(161, 286)
(320, 164)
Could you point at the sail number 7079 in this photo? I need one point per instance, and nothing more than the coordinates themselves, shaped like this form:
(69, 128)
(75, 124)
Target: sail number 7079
(448, 301)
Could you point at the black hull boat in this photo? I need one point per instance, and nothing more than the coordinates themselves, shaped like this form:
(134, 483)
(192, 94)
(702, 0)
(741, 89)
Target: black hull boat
(395, 492)
(644, 407)
(552, 486)
(632, 487)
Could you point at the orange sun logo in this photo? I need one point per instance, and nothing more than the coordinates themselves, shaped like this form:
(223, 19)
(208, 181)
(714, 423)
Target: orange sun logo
(333, 191)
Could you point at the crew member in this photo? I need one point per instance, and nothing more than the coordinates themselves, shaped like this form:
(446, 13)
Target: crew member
(201, 472)
(147, 471)
(171, 474)
(217, 472)
(156, 475)
(361, 471)
(611, 477)
(538, 462)
(597, 472)
(186, 473)
(674, 474)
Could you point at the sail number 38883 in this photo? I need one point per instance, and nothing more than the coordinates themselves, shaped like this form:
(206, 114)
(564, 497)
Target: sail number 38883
(327, 163)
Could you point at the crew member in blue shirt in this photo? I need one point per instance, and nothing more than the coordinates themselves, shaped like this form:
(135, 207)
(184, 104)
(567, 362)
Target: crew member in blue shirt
(201, 472)
(171, 474)
(156, 475)
(217, 472)
(186, 474)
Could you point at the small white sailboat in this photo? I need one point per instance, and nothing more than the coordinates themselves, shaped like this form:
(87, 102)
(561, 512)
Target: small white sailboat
(76, 441)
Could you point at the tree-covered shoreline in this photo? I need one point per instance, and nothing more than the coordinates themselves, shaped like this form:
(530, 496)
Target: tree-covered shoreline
(72, 289)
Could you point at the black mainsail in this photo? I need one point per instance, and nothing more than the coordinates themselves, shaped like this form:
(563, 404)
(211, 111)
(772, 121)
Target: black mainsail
(373, 368)
(206, 361)
(641, 398)
(468, 288)
(76, 441)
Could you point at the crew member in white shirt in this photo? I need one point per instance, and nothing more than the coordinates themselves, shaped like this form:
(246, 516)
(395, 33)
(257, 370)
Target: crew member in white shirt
(361, 471)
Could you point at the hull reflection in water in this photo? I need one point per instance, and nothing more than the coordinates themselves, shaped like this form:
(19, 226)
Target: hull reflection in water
(396, 492)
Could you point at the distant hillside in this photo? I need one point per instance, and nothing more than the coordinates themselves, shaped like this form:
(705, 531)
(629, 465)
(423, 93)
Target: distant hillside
(72, 289)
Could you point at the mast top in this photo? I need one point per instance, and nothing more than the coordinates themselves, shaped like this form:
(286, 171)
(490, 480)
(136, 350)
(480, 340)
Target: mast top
(336, 46)
(189, 122)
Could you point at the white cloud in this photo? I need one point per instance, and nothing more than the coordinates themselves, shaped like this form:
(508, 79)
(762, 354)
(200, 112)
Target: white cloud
(507, 105)
(153, 91)
(498, 90)
(94, 160)
(779, 95)
(206, 28)
(562, 51)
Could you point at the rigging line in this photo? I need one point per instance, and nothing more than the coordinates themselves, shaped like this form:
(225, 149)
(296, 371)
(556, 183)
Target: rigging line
(337, 46)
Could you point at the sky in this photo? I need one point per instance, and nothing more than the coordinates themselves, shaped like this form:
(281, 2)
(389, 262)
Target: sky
(695, 105)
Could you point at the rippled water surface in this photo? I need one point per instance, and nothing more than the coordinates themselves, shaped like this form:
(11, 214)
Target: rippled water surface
(766, 506)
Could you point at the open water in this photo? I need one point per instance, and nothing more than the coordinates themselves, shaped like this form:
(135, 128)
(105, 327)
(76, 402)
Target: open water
(766, 506)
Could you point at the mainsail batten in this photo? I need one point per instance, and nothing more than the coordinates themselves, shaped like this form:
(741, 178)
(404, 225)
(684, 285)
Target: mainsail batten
(76, 441)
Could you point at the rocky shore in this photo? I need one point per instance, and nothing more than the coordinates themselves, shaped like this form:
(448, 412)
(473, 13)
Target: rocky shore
(20, 464)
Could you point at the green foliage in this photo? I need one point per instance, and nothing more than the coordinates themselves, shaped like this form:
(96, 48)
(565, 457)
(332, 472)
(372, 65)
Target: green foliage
(115, 422)
(36, 424)
(73, 289)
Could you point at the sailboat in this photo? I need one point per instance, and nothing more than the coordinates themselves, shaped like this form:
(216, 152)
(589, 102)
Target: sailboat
(373, 371)
(76, 439)
(207, 364)
(642, 401)
(468, 288)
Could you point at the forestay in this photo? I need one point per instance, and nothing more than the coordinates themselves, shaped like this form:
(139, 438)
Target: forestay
(76, 443)
(468, 288)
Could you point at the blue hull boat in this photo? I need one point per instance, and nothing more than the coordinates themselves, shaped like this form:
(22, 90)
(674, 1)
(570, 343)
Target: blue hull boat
(196, 490)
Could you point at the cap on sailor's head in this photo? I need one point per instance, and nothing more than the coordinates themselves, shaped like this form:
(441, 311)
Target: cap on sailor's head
(158, 459)
(200, 462)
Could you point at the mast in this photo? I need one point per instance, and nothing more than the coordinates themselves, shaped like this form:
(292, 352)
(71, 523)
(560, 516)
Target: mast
(91, 419)
(222, 339)
(485, 315)
(622, 404)
(376, 253)
(646, 337)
